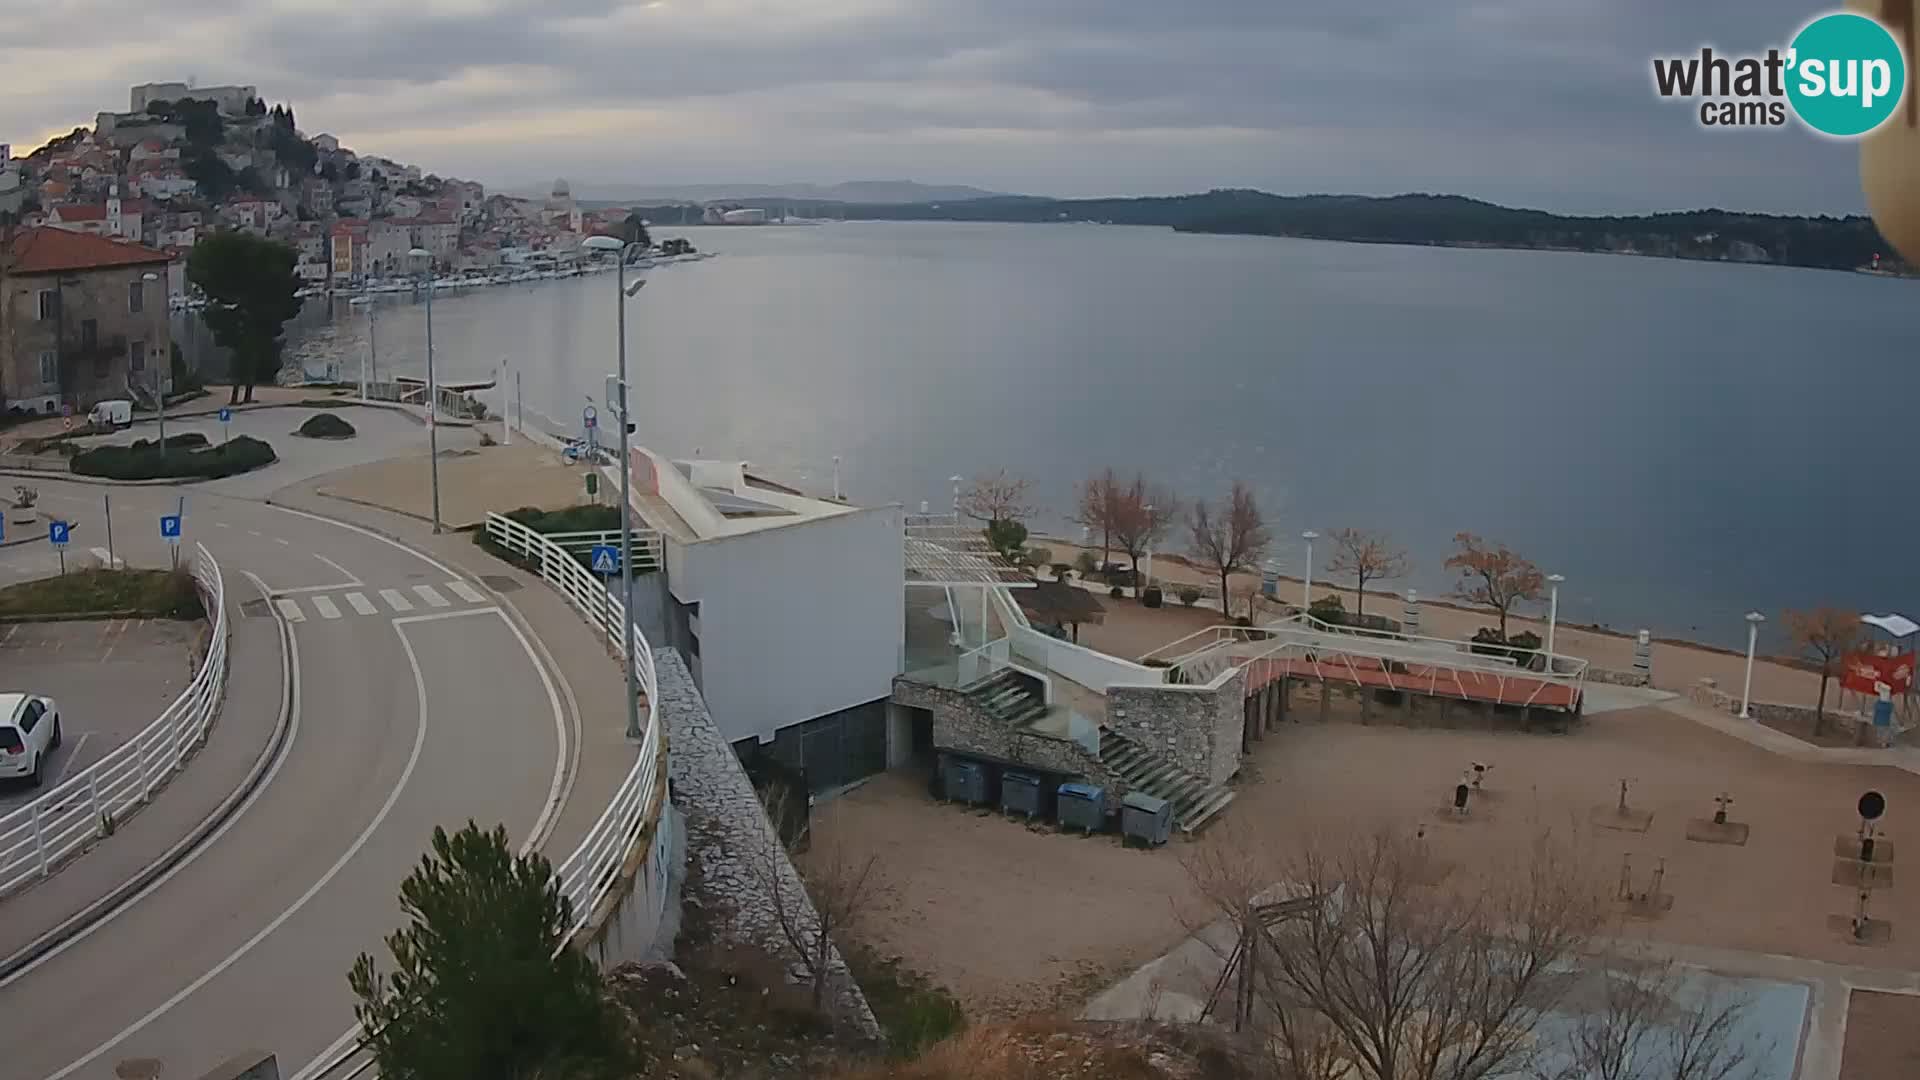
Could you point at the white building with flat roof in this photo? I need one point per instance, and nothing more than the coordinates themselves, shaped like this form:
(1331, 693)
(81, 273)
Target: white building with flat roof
(788, 608)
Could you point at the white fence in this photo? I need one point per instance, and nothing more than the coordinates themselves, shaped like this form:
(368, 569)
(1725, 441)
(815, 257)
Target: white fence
(646, 544)
(91, 803)
(590, 873)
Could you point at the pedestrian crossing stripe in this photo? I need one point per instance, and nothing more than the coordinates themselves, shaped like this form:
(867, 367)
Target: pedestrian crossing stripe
(397, 600)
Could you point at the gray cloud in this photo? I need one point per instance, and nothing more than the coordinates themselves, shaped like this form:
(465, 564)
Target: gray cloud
(1536, 102)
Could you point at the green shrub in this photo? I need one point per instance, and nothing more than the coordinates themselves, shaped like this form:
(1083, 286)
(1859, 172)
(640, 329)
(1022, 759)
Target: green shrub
(1329, 609)
(326, 426)
(160, 594)
(1038, 556)
(1116, 592)
(1009, 538)
(1151, 596)
(1086, 564)
(190, 440)
(1189, 595)
(144, 460)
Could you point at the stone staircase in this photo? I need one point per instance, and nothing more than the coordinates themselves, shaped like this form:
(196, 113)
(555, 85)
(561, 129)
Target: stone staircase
(1010, 697)
(1195, 802)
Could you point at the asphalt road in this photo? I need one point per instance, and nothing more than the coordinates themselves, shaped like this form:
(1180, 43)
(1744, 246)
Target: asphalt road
(410, 712)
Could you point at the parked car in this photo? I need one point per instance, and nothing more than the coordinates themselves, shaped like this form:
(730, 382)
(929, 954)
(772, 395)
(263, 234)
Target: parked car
(108, 415)
(29, 734)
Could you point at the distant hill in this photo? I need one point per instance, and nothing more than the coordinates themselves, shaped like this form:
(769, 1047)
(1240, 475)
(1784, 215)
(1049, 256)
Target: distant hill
(872, 192)
(1843, 243)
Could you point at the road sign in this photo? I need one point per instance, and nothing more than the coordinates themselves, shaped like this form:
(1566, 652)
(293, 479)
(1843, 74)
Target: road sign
(589, 417)
(58, 532)
(606, 559)
(226, 415)
(170, 528)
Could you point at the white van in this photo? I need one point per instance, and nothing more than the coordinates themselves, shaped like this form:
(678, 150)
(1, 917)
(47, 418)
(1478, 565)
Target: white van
(111, 414)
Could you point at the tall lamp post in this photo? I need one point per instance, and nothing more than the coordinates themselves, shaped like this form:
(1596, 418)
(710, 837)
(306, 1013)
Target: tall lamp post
(1553, 614)
(1306, 586)
(617, 396)
(159, 374)
(1147, 557)
(1754, 619)
(425, 259)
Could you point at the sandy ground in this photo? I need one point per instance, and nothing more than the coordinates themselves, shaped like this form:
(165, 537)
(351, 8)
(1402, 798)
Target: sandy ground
(1881, 1039)
(1675, 667)
(472, 482)
(1014, 919)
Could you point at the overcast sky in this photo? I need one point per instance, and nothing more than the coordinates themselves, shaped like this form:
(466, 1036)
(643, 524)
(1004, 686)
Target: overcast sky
(1543, 103)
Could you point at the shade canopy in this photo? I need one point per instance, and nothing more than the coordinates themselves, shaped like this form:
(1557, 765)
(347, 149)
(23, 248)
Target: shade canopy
(1061, 604)
(1897, 625)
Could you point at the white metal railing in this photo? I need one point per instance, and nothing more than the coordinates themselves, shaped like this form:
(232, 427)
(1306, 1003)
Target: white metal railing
(587, 876)
(99, 798)
(646, 544)
(983, 662)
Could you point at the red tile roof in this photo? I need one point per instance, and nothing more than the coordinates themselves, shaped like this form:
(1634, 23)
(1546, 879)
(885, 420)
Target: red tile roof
(81, 212)
(47, 250)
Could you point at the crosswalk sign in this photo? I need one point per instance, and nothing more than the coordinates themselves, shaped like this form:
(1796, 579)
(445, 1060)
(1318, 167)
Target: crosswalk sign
(58, 532)
(605, 559)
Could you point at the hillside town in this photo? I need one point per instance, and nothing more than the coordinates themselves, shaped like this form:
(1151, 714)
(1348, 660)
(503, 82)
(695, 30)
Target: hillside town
(131, 195)
(182, 161)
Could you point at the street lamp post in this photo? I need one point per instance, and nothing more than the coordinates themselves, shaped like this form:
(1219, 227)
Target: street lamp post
(1754, 619)
(621, 294)
(1553, 615)
(159, 374)
(1147, 557)
(955, 481)
(1306, 586)
(433, 388)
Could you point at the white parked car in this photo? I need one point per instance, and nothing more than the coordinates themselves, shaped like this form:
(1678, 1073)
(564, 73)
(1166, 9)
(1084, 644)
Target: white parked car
(29, 733)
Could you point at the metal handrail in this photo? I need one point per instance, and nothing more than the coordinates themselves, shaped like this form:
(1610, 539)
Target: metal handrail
(587, 876)
(646, 544)
(99, 798)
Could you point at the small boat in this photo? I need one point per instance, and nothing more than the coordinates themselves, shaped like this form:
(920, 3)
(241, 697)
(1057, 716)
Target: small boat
(361, 300)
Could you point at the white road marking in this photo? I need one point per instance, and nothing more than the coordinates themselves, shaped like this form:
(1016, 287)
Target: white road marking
(253, 532)
(221, 525)
(406, 774)
(290, 709)
(369, 533)
(395, 600)
(432, 596)
(66, 763)
(324, 605)
(344, 572)
(361, 605)
(557, 796)
(290, 610)
(282, 542)
(466, 592)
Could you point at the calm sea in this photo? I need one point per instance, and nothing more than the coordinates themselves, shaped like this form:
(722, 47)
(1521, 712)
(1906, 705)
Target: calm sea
(1683, 441)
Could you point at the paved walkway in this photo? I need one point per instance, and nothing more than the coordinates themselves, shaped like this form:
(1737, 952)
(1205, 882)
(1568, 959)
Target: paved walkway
(1906, 758)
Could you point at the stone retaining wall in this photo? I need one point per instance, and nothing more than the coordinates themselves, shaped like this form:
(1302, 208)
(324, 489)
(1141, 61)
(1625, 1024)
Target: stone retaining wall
(728, 830)
(1618, 678)
(1198, 729)
(961, 725)
(1706, 692)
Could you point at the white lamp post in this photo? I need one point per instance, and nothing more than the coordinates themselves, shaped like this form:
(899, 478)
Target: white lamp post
(1754, 619)
(1306, 586)
(622, 294)
(425, 259)
(955, 480)
(1553, 615)
(1146, 555)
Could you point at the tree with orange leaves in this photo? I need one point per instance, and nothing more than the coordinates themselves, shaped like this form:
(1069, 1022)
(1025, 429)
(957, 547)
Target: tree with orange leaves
(1493, 577)
(1368, 556)
(1826, 635)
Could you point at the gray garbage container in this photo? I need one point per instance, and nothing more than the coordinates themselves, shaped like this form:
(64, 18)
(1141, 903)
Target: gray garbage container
(1083, 806)
(1020, 791)
(966, 781)
(1145, 818)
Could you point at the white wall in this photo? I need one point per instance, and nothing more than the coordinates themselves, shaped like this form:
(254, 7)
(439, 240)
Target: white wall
(796, 621)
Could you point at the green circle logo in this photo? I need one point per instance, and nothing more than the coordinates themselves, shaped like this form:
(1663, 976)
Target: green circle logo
(1846, 74)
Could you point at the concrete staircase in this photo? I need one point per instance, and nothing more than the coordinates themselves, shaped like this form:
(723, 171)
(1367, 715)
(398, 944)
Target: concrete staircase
(1195, 802)
(1010, 697)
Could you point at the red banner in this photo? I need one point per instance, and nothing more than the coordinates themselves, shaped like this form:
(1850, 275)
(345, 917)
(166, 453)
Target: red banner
(1862, 672)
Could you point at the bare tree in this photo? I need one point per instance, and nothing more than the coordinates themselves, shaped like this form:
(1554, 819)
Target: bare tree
(1228, 540)
(830, 897)
(1094, 507)
(1824, 634)
(1493, 577)
(1368, 556)
(998, 496)
(1141, 518)
(1374, 962)
(1640, 1016)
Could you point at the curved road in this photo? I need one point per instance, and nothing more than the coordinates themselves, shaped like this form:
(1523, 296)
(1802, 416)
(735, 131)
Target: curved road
(416, 702)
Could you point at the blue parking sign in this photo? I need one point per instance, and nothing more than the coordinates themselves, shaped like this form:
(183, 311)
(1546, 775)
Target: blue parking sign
(57, 533)
(170, 528)
(226, 415)
(605, 559)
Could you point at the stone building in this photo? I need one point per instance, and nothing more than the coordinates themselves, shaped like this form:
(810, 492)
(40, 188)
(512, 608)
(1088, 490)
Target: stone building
(83, 318)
